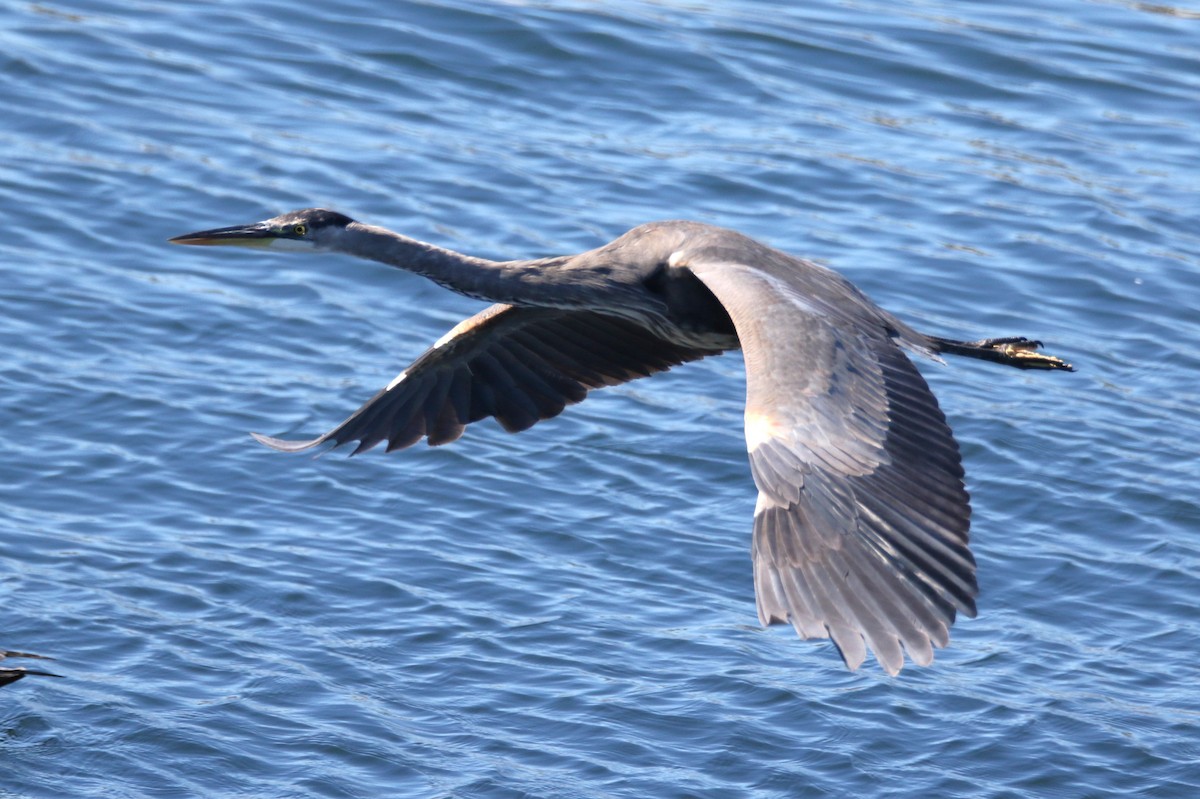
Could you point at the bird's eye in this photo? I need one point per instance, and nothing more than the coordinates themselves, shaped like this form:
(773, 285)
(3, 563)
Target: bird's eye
(300, 230)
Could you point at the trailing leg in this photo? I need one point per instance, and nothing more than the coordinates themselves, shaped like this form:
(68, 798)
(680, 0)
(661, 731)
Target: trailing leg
(1015, 351)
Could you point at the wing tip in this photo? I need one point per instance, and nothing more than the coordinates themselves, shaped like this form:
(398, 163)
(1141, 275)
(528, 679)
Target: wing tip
(8, 653)
(9, 676)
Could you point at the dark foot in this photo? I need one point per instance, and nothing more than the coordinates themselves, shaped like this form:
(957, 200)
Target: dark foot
(1015, 351)
(1023, 353)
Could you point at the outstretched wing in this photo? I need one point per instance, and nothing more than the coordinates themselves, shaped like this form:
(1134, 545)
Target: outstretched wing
(860, 533)
(12, 675)
(519, 365)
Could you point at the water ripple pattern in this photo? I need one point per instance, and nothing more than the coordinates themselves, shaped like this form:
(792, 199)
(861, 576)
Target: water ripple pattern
(569, 612)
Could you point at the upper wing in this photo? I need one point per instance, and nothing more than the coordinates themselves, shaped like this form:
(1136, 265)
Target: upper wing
(860, 533)
(520, 365)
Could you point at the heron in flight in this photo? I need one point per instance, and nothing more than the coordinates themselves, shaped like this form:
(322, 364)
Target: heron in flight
(8, 676)
(861, 527)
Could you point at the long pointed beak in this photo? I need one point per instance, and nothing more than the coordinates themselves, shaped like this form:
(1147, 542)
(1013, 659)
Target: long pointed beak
(256, 235)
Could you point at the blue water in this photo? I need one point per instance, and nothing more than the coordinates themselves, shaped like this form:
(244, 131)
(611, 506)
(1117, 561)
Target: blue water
(569, 612)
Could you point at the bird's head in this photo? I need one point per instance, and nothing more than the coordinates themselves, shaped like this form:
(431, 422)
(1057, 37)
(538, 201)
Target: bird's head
(305, 230)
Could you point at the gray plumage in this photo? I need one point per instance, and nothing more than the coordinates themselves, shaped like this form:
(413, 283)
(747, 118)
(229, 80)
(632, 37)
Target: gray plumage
(861, 528)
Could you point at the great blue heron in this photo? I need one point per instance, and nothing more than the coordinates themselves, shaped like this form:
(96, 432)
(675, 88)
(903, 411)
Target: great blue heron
(860, 532)
(12, 675)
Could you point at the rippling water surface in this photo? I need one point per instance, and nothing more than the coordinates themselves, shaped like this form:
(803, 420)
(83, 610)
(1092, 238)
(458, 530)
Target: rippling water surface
(569, 612)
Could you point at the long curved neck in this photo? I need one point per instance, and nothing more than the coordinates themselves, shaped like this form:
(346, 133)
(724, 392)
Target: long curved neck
(514, 282)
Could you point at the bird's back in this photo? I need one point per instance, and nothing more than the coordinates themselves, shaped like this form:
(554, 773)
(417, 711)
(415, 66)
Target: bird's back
(663, 253)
